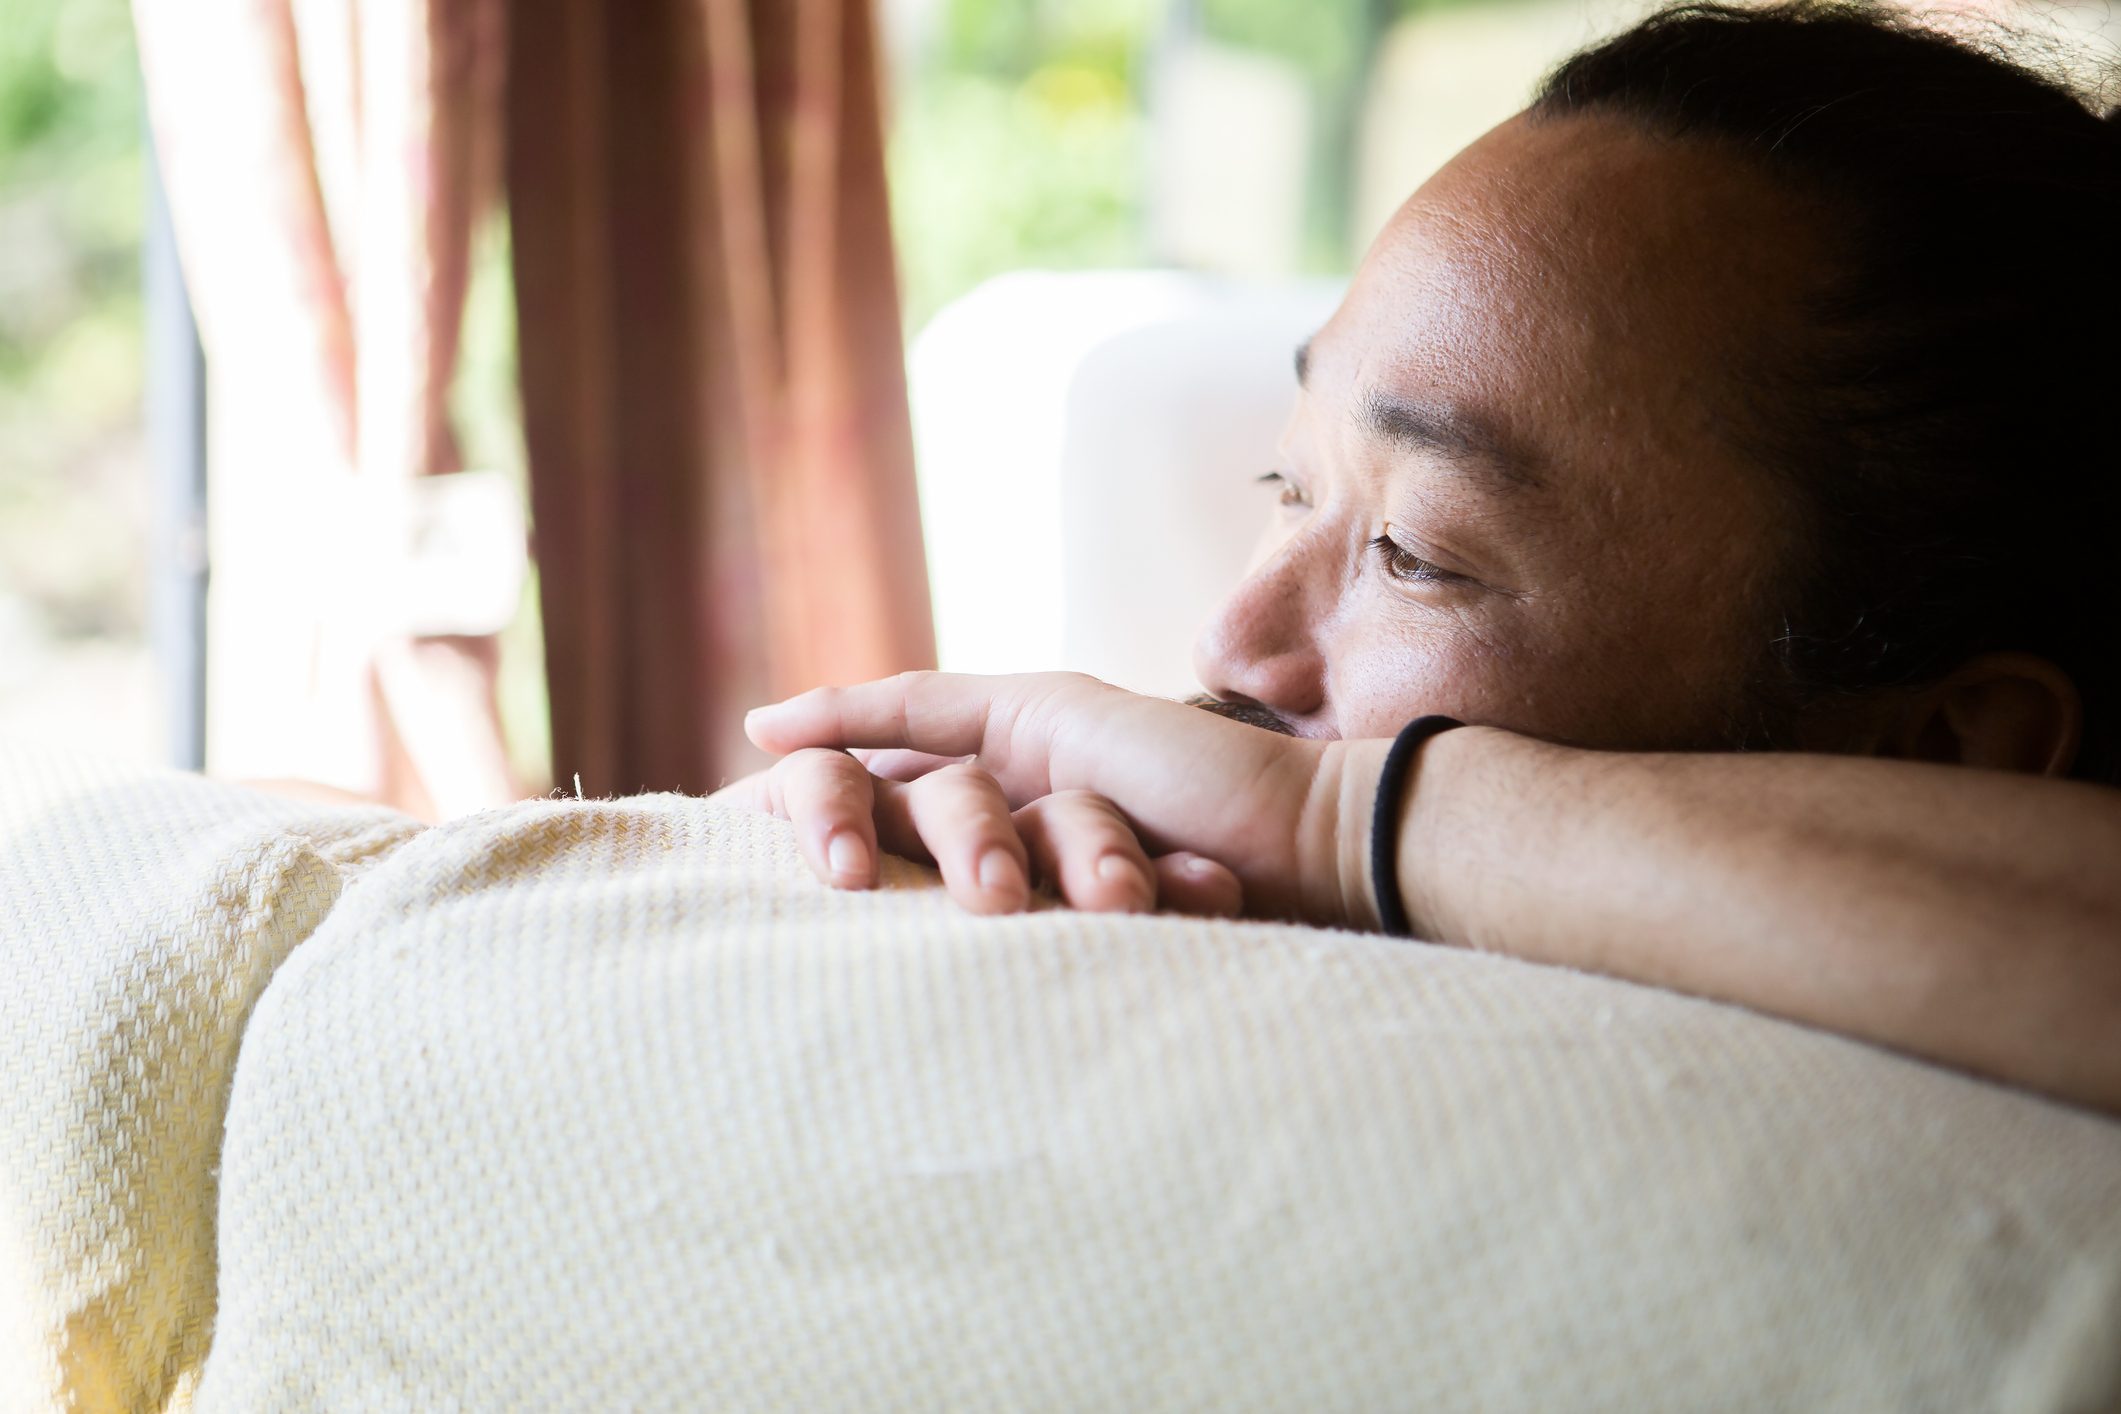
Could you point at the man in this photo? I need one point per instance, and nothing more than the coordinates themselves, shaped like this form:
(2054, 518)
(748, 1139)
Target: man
(1718, 438)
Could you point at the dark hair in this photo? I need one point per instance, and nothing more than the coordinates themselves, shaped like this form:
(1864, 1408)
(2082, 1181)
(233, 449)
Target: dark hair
(1949, 420)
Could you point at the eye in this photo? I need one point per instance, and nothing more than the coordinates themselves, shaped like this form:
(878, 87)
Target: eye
(1403, 564)
(1291, 494)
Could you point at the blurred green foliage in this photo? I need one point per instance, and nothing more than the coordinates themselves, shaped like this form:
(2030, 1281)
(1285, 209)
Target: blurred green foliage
(71, 173)
(1018, 142)
(1021, 128)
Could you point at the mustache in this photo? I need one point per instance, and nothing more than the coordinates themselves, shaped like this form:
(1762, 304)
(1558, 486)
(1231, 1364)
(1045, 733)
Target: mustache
(1250, 713)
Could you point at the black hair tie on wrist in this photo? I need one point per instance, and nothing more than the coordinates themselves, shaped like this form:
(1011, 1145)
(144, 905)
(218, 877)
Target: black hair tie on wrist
(1384, 823)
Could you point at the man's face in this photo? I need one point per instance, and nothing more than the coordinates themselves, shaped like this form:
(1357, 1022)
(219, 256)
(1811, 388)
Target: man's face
(1511, 490)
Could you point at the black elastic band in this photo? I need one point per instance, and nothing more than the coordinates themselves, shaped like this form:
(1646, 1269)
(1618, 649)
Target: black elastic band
(1384, 823)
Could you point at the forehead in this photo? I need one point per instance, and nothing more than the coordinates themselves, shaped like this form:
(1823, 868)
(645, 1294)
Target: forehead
(1602, 294)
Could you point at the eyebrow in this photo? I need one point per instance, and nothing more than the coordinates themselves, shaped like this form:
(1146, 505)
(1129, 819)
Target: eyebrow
(1468, 442)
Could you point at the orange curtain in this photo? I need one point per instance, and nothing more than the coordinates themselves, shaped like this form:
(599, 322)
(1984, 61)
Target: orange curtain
(326, 160)
(712, 371)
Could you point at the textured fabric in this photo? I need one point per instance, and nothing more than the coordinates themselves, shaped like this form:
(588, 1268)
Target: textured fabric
(610, 1105)
(144, 915)
(714, 402)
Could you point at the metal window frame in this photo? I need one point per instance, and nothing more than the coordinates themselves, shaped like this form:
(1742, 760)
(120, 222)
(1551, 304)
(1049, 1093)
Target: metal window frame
(175, 381)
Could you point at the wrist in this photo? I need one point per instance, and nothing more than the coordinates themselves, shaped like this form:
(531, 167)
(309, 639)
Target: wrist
(1362, 766)
(1315, 876)
(1421, 868)
(1345, 814)
(1434, 833)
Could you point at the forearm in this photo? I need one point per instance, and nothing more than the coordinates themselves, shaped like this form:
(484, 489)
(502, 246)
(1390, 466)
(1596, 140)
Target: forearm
(1970, 917)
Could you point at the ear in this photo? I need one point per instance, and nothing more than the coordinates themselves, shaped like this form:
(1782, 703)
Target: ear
(2005, 711)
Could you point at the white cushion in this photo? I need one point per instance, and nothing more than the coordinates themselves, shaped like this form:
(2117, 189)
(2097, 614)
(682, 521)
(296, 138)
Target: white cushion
(611, 1105)
(1088, 440)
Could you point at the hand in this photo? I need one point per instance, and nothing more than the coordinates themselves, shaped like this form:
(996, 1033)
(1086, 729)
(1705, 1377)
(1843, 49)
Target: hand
(1271, 808)
(953, 813)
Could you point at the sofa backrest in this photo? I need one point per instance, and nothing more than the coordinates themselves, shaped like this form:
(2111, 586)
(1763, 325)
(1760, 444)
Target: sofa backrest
(610, 1104)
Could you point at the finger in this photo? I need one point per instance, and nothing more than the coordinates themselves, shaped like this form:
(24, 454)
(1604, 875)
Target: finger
(753, 792)
(893, 765)
(962, 819)
(1192, 883)
(895, 830)
(829, 797)
(946, 714)
(1087, 848)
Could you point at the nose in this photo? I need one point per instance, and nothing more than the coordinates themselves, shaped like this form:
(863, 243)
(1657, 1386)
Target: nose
(1262, 645)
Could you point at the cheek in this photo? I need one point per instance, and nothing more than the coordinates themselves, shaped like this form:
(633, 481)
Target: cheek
(1567, 679)
(1486, 664)
(1380, 679)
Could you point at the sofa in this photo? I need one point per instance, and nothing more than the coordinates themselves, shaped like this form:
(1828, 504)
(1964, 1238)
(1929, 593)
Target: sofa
(607, 1104)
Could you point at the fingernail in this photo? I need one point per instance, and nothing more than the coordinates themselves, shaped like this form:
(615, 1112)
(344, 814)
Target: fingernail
(1199, 867)
(849, 857)
(998, 873)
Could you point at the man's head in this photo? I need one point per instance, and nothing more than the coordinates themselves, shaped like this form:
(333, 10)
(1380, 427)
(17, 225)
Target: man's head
(1744, 391)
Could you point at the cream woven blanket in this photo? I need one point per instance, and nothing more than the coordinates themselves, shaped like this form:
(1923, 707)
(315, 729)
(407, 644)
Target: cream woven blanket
(143, 915)
(610, 1106)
